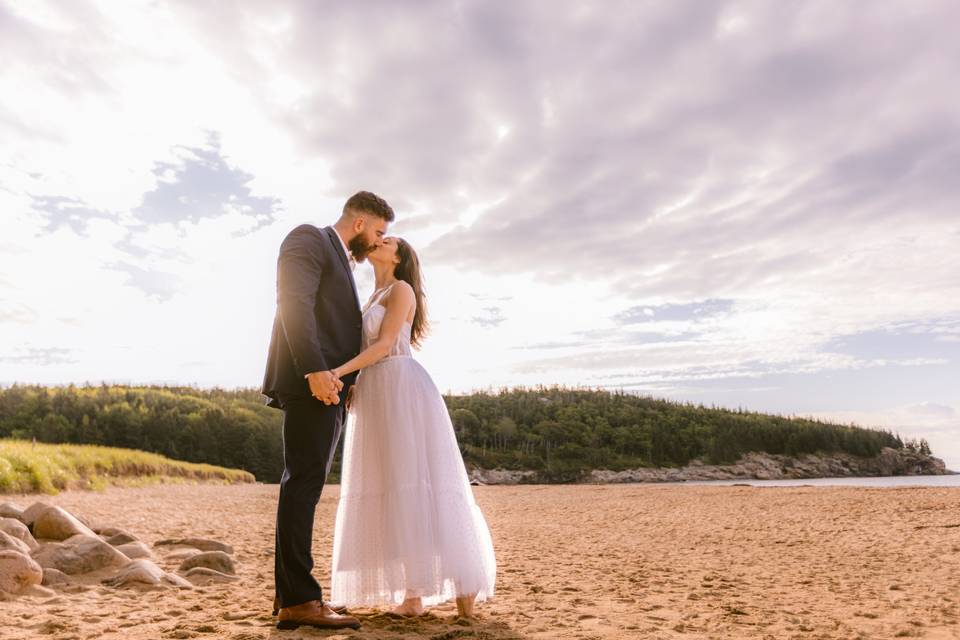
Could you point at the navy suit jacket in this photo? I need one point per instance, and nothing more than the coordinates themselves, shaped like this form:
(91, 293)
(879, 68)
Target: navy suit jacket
(318, 321)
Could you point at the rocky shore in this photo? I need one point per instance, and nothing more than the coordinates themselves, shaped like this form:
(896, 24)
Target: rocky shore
(752, 466)
(45, 549)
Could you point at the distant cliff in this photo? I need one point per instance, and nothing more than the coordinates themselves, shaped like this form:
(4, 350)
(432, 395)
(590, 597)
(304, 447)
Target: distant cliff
(751, 466)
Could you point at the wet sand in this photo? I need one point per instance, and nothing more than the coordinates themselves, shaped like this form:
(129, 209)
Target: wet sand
(624, 561)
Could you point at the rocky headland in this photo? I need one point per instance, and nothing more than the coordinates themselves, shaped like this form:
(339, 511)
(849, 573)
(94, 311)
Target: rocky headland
(751, 466)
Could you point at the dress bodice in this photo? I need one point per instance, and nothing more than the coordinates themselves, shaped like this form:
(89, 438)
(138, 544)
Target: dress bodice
(372, 320)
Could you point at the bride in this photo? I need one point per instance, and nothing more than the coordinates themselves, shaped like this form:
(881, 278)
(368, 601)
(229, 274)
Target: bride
(408, 531)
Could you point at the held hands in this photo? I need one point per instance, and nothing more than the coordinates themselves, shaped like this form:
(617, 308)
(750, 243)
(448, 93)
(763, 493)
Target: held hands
(325, 386)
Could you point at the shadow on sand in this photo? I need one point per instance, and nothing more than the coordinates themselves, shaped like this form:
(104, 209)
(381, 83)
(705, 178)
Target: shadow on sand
(381, 625)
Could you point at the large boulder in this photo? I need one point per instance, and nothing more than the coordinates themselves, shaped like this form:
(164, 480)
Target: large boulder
(79, 554)
(197, 543)
(10, 510)
(134, 550)
(216, 560)
(30, 513)
(181, 553)
(18, 572)
(7, 541)
(144, 571)
(55, 523)
(119, 538)
(54, 576)
(204, 576)
(19, 530)
(896, 462)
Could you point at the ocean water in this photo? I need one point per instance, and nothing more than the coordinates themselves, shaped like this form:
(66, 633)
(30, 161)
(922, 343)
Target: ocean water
(886, 481)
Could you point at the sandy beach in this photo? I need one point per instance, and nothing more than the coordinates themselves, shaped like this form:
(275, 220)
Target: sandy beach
(637, 561)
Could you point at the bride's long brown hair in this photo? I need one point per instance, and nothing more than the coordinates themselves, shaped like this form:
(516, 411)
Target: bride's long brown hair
(408, 270)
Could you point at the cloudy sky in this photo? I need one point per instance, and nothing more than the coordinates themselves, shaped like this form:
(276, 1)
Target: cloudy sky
(749, 204)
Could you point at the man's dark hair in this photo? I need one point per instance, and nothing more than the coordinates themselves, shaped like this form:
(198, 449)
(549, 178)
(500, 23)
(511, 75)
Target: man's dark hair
(369, 203)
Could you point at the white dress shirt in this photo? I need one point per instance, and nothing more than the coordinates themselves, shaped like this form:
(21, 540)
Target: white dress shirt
(353, 263)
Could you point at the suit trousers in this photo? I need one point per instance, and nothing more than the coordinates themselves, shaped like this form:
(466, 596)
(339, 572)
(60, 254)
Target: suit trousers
(311, 431)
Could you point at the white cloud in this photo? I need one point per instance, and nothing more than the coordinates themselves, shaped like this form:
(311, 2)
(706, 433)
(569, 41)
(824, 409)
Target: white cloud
(557, 166)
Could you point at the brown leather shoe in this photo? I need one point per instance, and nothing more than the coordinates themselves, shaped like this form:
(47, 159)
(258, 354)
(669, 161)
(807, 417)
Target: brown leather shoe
(276, 607)
(314, 614)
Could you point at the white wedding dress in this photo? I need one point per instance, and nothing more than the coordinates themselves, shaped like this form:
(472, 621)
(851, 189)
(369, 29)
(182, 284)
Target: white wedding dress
(407, 523)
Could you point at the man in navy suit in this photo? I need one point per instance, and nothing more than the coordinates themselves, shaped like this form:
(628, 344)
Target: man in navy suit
(317, 327)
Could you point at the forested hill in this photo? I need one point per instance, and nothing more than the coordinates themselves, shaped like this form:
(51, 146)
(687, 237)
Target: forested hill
(561, 433)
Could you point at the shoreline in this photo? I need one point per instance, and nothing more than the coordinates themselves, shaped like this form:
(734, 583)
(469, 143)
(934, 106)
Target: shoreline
(846, 482)
(751, 466)
(718, 482)
(809, 469)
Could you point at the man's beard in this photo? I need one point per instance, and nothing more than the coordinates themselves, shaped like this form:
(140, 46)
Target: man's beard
(359, 248)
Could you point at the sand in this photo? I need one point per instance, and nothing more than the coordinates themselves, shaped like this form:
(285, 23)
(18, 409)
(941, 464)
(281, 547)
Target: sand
(637, 561)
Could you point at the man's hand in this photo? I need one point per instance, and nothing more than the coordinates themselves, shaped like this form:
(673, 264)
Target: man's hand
(325, 386)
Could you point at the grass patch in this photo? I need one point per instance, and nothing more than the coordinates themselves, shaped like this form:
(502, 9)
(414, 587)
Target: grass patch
(27, 467)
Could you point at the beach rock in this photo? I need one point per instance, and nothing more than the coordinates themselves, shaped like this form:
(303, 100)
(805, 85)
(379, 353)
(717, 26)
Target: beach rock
(18, 571)
(177, 581)
(501, 476)
(8, 542)
(54, 576)
(37, 591)
(10, 510)
(143, 571)
(85, 521)
(119, 538)
(216, 560)
(19, 530)
(197, 543)
(205, 575)
(903, 462)
(30, 513)
(181, 554)
(79, 554)
(55, 523)
(134, 550)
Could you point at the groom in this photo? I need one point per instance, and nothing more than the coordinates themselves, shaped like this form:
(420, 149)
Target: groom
(316, 328)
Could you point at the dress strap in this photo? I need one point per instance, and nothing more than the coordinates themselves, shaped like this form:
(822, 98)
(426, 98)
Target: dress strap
(381, 295)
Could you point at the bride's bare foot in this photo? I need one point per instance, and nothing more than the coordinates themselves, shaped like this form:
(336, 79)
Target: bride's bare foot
(465, 606)
(410, 607)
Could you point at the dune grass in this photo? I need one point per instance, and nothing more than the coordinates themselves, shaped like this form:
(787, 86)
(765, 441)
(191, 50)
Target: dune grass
(27, 467)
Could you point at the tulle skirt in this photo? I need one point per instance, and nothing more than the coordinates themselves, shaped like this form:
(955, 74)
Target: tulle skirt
(407, 523)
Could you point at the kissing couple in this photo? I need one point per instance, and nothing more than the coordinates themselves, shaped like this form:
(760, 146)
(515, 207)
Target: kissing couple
(408, 531)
